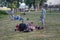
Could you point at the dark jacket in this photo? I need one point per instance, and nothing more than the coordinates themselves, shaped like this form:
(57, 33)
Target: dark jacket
(22, 26)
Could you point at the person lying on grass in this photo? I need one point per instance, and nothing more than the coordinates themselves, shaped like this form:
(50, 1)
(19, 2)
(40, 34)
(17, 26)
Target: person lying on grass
(17, 17)
(26, 28)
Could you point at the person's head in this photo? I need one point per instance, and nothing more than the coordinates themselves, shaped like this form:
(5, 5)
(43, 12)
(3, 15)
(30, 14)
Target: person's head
(22, 21)
(31, 22)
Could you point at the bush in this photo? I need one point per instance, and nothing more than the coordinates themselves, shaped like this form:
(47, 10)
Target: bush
(3, 12)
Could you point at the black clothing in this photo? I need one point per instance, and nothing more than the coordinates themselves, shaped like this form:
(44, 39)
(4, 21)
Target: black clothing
(22, 27)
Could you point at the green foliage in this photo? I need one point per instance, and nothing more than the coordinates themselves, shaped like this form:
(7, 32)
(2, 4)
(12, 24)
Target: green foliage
(3, 13)
(42, 2)
(12, 3)
(30, 2)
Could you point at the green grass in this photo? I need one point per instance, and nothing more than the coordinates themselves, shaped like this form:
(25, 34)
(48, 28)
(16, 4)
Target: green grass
(51, 32)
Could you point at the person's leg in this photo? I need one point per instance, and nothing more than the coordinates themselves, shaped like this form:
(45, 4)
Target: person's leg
(42, 24)
(27, 30)
(31, 29)
(12, 17)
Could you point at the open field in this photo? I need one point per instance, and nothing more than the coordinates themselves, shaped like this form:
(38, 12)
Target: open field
(51, 32)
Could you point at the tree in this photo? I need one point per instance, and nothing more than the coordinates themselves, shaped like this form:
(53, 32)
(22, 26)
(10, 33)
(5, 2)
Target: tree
(42, 2)
(35, 2)
(12, 3)
(29, 2)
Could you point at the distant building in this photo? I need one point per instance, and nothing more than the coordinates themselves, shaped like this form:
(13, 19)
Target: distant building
(53, 2)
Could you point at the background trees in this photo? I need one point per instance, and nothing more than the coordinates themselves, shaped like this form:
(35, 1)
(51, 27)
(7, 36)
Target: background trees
(15, 3)
(35, 2)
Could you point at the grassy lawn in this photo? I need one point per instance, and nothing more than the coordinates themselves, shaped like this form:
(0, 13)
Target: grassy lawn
(51, 32)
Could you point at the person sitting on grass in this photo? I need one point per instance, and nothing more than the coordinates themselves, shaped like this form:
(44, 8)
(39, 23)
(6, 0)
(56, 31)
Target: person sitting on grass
(21, 27)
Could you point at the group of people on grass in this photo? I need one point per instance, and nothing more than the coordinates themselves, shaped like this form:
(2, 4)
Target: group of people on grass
(27, 27)
(30, 26)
